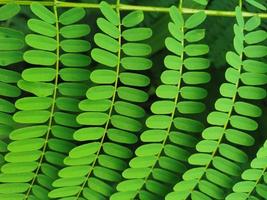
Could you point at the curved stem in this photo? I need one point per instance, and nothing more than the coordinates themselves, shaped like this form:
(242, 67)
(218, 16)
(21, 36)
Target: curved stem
(172, 116)
(51, 111)
(110, 110)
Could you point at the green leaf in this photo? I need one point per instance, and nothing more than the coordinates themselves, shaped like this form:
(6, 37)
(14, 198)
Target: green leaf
(109, 13)
(175, 31)
(190, 107)
(102, 76)
(95, 105)
(43, 13)
(137, 34)
(136, 63)
(195, 20)
(108, 28)
(174, 46)
(253, 78)
(196, 49)
(84, 150)
(252, 23)
(104, 57)
(32, 117)
(170, 77)
(247, 109)
(176, 17)
(196, 78)
(33, 103)
(29, 132)
(206, 146)
(153, 136)
(255, 66)
(132, 94)
(41, 42)
(92, 118)
(187, 124)
(232, 153)
(75, 31)
(239, 137)
(148, 149)
(75, 60)
(199, 159)
(67, 191)
(42, 27)
(193, 93)
(250, 92)
(106, 42)
(239, 16)
(255, 37)
(74, 74)
(234, 60)
(125, 123)
(202, 2)
(256, 4)
(87, 134)
(134, 79)
(132, 19)
(255, 51)
(173, 62)
(75, 45)
(26, 145)
(9, 90)
(40, 57)
(162, 107)
(217, 118)
(167, 91)
(39, 74)
(8, 44)
(243, 123)
(8, 11)
(158, 122)
(195, 35)
(196, 63)
(117, 150)
(6, 106)
(100, 92)
(37, 88)
(226, 166)
(121, 136)
(9, 76)
(136, 49)
(72, 16)
(10, 57)
(129, 109)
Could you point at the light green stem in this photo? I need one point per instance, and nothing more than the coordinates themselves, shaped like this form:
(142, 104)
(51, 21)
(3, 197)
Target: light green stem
(122, 7)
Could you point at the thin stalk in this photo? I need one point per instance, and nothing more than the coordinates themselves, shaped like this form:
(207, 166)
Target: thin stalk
(125, 7)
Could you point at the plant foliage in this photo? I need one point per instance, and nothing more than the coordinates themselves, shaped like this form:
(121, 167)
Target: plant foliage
(101, 100)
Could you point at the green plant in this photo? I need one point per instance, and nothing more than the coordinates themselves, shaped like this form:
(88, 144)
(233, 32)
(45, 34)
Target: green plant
(88, 112)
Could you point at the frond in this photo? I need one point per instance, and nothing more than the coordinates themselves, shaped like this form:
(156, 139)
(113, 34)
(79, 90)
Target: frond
(112, 114)
(46, 116)
(12, 43)
(219, 160)
(161, 160)
(254, 180)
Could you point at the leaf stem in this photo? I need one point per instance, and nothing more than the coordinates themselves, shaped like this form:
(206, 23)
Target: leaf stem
(53, 107)
(110, 110)
(123, 7)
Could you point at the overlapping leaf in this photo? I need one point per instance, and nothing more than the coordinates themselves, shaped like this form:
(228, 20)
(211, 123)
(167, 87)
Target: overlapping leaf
(161, 160)
(47, 114)
(112, 112)
(219, 160)
(12, 43)
(253, 184)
